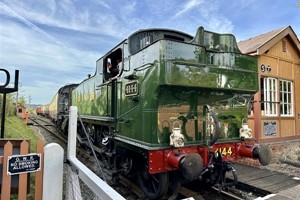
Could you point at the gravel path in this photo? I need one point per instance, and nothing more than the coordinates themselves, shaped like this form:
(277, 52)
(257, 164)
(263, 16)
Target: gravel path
(292, 155)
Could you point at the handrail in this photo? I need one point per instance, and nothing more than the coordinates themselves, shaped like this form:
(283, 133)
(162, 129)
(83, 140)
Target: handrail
(145, 66)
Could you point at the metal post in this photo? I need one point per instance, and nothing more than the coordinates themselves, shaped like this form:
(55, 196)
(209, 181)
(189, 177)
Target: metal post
(3, 115)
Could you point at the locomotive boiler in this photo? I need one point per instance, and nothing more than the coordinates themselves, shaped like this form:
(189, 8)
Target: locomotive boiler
(175, 112)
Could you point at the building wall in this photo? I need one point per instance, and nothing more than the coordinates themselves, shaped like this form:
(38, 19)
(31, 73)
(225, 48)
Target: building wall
(20, 111)
(282, 63)
(279, 151)
(297, 97)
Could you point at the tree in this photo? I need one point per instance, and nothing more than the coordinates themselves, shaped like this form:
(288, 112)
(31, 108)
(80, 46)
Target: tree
(10, 108)
(22, 101)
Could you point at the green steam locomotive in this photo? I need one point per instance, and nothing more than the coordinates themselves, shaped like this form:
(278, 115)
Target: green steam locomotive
(175, 111)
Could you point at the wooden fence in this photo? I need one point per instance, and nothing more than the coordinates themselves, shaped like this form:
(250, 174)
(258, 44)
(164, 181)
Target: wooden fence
(8, 148)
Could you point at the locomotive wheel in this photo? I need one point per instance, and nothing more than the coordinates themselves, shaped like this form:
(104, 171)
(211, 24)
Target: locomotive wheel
(155, 186)
(100, 133)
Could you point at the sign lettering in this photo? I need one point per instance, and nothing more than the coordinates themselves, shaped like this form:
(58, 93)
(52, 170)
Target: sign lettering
(23, 164)
(131, 89)
(224, 151)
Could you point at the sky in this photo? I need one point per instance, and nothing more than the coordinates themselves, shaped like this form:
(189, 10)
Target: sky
(56, 42)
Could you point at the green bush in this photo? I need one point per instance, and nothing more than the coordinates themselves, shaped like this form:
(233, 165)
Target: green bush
(10, 108)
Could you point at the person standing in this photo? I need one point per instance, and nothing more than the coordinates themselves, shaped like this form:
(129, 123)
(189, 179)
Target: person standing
(26, 117)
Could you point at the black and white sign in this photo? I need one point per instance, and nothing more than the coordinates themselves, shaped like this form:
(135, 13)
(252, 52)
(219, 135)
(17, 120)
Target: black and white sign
(263, 68)
(269, 128)
(23, 164)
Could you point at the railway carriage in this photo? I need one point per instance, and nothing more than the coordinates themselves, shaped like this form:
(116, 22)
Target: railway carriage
(45, 110)
(176, 112)
(38, 110)
(58, 108)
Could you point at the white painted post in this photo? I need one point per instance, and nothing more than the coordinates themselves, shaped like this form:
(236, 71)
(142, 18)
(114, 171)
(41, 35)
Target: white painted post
(53, 172)
(72, 132)
(72, 183)
(78, 170)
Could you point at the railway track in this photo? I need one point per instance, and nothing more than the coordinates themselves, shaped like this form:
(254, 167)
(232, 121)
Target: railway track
(128, 188)
(48, 126)
(86, 157)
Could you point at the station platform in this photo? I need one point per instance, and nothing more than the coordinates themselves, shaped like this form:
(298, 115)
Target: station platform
(292, 193)
(276, 185)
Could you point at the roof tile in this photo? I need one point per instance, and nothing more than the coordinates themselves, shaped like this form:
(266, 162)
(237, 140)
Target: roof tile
(252, 44)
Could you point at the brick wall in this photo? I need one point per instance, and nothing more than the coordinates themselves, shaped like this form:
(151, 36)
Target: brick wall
(279, 149)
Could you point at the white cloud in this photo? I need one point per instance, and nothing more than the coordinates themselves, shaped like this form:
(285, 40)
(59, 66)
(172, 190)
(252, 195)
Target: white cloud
(32, 47)
(102, 3)
(129, 8)
(193, 14)
(191, 4)
(55, 42)
(42, 63)
(65, 14)
(214, 20)
(9, 11)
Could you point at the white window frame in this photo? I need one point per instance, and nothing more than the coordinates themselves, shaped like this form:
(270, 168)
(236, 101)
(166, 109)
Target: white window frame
(287, 98)
(271, 96)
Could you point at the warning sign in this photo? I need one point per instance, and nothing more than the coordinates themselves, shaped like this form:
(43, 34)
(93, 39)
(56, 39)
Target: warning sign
(23, 164)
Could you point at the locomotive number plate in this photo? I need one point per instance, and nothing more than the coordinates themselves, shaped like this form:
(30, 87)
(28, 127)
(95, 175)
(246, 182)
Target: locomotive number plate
(131, 89)
(224, 151)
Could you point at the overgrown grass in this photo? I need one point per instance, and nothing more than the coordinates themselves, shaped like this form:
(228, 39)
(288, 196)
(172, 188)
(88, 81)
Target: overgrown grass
(15, 128)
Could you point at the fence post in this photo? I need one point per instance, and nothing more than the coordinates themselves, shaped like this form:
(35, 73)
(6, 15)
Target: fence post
(6, 179)
(78, 170)
(53, 172)
(72, 185)
(39, 174)
(23, 177)
(72, 132)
